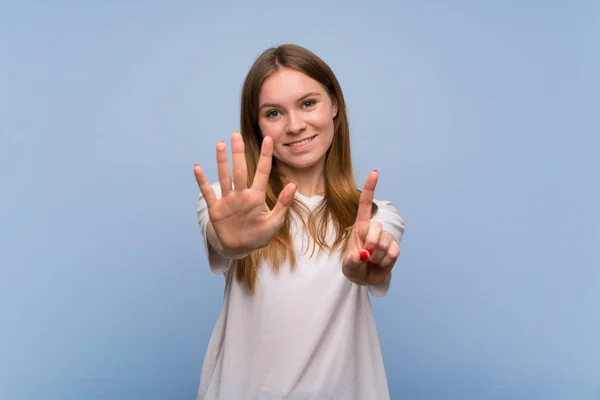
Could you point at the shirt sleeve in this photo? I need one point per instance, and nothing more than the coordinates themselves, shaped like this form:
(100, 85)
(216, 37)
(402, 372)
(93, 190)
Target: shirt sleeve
(391, 222)
(217, 263)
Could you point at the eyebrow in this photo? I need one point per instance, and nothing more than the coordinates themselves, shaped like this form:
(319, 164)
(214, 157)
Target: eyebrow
(311, 94)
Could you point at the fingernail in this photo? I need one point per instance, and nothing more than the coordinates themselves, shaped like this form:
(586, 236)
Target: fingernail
(195, 165)
(369, 250)
(363, 255)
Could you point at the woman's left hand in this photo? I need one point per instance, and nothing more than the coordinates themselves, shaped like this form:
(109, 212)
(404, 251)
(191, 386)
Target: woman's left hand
(371, 252)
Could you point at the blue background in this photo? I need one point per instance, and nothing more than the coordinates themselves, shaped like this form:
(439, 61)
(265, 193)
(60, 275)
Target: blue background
(478, 115)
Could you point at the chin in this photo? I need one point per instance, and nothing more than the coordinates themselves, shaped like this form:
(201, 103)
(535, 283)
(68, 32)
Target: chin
(302, 164)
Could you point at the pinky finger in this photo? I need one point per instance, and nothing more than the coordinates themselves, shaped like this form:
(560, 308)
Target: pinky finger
(392, 255)
(207, 191)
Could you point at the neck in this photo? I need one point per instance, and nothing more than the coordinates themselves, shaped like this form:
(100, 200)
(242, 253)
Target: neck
(309, 181)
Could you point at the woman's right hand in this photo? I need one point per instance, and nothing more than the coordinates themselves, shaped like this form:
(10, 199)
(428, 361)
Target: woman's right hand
(241, 218)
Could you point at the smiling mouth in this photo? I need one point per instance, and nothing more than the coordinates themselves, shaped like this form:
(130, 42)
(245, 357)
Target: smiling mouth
(301, 142)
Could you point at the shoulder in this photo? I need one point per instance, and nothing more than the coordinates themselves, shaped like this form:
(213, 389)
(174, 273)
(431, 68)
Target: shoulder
(385, 206)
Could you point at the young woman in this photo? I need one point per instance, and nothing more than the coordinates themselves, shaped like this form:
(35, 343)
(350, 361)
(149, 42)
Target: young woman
(299, 245)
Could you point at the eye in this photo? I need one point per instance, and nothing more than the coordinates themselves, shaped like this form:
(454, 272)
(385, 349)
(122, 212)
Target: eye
(272, 114)
(308, 103)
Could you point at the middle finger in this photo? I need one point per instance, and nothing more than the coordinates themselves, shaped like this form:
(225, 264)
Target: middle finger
(223, 168)
(240, 171)
(372, 239)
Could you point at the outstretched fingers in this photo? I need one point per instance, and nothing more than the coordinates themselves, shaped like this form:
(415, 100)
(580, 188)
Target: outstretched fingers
(240, 170)
(366, 198)
(263, 168)
(207, 191)
(284, 201)
(365, 206)
(363, 218)
(223, 168)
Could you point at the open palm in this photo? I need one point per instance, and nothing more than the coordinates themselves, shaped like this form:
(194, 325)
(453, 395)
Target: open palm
(241, 218)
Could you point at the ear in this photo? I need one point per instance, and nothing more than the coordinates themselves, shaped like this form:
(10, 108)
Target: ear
(334, 108)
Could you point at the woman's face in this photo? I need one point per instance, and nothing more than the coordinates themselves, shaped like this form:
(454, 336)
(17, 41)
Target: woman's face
(297, 113)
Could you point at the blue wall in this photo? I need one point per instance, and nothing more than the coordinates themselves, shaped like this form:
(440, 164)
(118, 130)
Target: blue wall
(479, 117)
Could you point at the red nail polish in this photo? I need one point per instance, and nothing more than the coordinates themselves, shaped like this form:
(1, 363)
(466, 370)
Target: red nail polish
(363, 255)
(369, 250)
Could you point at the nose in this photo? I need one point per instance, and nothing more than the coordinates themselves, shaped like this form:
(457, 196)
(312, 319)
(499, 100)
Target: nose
(295, 123)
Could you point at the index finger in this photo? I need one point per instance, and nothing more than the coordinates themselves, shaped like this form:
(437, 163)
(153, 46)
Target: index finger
(366, 198)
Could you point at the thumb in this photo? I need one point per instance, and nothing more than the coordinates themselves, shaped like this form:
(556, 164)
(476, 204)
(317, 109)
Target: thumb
(284, 201)
(355, 263)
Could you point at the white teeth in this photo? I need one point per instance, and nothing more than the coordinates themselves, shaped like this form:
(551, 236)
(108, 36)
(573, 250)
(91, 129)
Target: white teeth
(301, 143)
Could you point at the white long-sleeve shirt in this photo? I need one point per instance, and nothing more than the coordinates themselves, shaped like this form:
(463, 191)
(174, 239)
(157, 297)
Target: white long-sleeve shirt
(306, 333)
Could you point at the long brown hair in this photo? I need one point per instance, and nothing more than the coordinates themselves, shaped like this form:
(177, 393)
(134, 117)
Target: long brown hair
(341, 194)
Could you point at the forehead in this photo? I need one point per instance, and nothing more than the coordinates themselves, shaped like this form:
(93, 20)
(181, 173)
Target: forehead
(288, 85)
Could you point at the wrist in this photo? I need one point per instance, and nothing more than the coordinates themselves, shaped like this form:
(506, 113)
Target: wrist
(231, 254)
